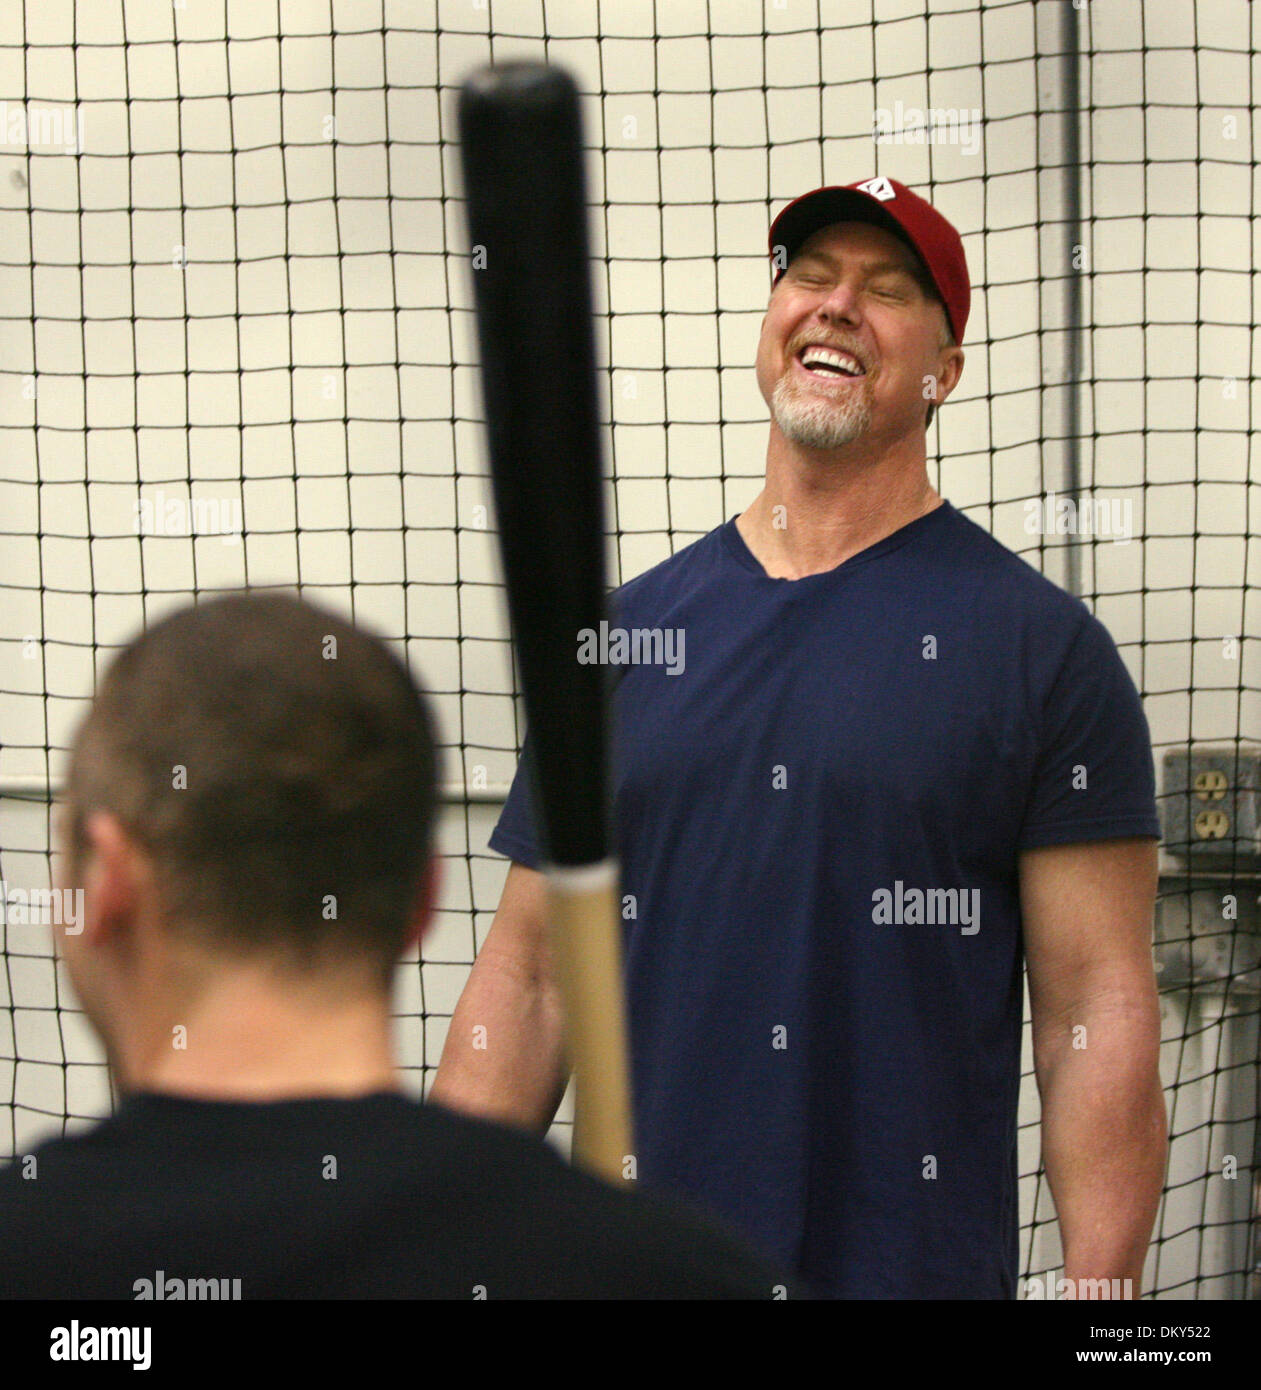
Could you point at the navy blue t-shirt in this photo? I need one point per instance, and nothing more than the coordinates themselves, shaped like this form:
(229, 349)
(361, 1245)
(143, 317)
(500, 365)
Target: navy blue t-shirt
(819, 811)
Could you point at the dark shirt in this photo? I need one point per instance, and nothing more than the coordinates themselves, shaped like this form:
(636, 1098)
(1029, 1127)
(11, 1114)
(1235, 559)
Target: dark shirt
(820, 811)
(375, 1197)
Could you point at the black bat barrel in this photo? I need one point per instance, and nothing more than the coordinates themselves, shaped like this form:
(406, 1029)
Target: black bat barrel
(521, 140)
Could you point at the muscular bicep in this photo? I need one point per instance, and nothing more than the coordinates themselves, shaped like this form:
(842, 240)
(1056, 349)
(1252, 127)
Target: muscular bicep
(1087, 911)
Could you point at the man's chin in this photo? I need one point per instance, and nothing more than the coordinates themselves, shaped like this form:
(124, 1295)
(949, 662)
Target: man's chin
(820, 430)
(818, 423)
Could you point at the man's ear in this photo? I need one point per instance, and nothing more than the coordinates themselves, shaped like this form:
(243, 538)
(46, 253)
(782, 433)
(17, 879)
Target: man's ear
(110, 868)
(425, 903)
(951, 360)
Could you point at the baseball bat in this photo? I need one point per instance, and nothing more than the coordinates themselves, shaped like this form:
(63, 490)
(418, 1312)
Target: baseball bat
(522, 160)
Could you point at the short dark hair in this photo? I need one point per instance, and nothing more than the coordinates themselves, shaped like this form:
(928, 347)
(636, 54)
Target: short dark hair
(277, 763)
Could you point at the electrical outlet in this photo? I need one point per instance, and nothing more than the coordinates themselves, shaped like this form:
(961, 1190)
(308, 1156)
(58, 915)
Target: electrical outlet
(1210, 805)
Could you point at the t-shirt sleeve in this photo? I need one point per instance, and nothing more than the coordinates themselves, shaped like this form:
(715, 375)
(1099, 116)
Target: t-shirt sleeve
(514, 834)
(1095, 778)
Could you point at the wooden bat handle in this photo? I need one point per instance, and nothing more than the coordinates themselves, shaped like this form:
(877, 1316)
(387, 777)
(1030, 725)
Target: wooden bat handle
(586, 932)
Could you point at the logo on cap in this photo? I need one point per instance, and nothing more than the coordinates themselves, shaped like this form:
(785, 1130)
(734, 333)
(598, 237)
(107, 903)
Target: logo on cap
(879, 188)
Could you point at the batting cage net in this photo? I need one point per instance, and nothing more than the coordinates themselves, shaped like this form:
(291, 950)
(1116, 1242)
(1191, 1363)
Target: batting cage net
(238, 349)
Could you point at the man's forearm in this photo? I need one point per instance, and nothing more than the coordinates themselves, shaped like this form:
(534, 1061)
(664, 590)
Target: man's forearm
(503, 1059)
(1104, 1143)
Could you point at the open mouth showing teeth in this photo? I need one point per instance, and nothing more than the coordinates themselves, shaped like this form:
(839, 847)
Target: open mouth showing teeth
(826, 362)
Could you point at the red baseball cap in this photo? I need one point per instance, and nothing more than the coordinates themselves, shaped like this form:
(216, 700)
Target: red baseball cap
(889, 204)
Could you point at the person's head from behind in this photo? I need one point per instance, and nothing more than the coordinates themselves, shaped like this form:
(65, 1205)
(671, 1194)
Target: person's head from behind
(249, 808)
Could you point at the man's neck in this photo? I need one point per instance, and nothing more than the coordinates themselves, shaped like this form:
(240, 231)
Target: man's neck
(248, 1036)
(816, 510)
